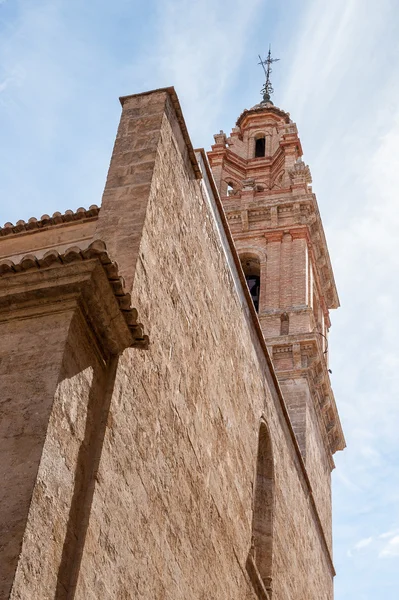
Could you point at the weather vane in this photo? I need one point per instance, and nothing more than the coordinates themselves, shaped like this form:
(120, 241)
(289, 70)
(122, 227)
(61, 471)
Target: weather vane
(267, 89)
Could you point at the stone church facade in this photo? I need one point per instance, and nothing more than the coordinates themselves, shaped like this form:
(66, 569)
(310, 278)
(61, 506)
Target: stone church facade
(167, 421)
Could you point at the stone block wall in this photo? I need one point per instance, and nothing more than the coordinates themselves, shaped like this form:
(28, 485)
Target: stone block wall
(145, 485)
(172, 508)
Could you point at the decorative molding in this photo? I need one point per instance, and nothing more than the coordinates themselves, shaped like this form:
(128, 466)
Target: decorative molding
(58, 282)
(300, 173)
(314, 368)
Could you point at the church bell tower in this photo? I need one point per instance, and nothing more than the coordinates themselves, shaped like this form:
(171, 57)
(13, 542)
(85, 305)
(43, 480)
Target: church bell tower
(275, 222)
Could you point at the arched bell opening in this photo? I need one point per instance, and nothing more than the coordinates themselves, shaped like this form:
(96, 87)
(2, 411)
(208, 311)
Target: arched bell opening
(251, 267)
(230, 188)
(260, 146)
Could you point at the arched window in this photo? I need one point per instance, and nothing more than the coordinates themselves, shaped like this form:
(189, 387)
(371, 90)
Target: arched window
(259, 562)
(284, 324)
(230, 188)
(251, 268)
(260, 147)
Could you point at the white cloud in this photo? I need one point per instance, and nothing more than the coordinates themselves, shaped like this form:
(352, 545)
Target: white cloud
(388, 549)
(388, 534)
(5, 83)
(347, 481)
(328, 36)
(363, 543)
(15, 78)
(391, 549)
(371, 455)
(359, 546)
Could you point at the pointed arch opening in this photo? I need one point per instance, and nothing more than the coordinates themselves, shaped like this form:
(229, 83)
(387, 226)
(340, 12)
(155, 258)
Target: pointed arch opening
(251, 267)
(260, 560)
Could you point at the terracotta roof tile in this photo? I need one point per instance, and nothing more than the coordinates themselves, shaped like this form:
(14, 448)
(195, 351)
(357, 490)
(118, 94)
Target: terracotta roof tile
(263, 107)
(46, 220)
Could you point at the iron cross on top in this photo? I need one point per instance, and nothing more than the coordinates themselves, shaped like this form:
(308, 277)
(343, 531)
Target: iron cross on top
(267, 89)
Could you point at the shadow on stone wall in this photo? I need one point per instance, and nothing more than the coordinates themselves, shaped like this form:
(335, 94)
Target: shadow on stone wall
(85, 478)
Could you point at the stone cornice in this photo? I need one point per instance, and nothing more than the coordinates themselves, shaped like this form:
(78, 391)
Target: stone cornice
(222, 154)
(319, 380)
(58, 282)
(274, 236)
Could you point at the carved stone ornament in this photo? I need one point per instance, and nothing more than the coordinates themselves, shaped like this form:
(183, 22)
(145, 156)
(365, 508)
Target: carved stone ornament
(300, 173)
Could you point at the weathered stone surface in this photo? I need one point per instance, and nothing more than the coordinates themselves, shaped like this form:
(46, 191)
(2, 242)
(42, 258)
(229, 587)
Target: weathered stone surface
(149, 466)
(30, 360)
(58, 511)
(172, 509)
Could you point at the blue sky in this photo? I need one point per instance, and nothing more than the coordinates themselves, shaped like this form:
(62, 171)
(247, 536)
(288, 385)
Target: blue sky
(63, 64)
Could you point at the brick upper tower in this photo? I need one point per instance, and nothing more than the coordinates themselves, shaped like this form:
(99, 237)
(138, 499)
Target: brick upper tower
(275, 222)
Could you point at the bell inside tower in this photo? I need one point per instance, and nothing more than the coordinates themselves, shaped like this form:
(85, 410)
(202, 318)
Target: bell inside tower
(251, 268)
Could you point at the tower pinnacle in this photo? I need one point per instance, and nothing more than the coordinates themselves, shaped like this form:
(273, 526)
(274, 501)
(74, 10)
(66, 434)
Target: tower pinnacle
(267, 89)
